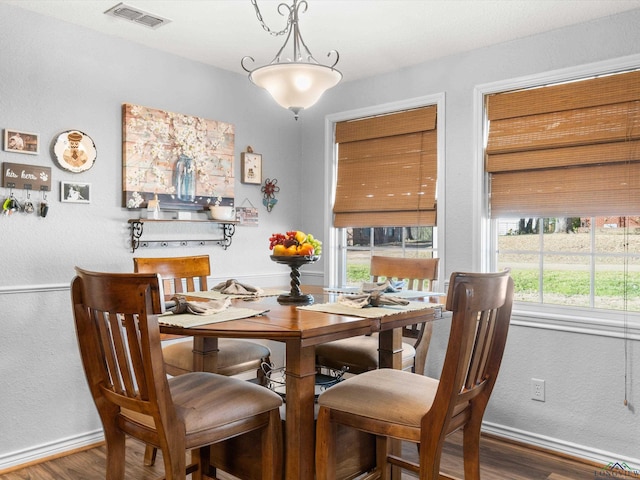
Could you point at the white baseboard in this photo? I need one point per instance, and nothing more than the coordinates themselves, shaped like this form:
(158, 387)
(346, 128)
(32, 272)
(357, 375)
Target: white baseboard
(47, 450)
(597, 456)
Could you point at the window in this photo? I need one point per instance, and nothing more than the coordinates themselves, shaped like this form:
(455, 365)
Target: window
(579, 262)
(385, 189)
(563, 169)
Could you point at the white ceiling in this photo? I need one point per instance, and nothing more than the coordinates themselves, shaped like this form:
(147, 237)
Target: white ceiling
(372, 36)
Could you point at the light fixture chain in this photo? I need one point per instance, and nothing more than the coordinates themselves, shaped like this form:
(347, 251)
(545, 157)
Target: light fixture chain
(265, 26)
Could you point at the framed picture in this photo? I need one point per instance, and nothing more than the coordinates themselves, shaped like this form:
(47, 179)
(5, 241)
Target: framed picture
(251, 165)
(186, 161)
(74, 151)
(21, 142)
(75, 192)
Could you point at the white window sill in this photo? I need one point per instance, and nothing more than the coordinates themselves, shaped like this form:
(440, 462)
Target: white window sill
(606, 323)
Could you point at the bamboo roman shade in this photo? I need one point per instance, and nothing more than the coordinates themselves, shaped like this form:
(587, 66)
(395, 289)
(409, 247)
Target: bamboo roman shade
(387, 170)
(568, 150)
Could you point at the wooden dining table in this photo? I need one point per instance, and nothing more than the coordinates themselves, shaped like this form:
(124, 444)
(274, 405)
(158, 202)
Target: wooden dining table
(301, 330)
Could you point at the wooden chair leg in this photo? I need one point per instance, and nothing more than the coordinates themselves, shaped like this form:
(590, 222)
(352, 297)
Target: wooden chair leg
(471, 450)
(150, 454)
(200, 461)
(175, 460)
(272, 451)
(326, 436)
(116, 446)
(430, 454)
(382, 452)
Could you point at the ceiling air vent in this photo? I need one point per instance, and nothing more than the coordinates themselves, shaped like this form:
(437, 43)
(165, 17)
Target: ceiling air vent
(133, 14)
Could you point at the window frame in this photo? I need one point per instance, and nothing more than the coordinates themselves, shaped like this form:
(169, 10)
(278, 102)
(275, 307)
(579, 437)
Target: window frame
(335, 243)
(556, 317)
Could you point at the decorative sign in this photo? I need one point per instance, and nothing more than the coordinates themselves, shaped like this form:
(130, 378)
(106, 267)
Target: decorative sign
(26, 177)
(247, 216)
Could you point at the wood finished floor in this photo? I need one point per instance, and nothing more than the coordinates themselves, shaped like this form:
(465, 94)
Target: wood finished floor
(500, 461)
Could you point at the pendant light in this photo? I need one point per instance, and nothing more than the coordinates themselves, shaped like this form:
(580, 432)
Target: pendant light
(295, 82)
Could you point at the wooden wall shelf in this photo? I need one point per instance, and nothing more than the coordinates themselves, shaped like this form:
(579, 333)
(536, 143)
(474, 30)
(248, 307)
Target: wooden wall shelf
(137, 229)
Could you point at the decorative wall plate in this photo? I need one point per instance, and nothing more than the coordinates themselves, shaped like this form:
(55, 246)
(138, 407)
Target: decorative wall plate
(74, 151)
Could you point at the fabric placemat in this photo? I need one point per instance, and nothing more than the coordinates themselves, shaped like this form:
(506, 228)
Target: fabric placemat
(186, 320)
(214, 295)
(400, 294)
(367, 312)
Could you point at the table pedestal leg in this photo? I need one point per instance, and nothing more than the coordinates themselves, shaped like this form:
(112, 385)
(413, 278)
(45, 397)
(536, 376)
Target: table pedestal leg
(204, 347)
(390, 349)
(299, 426)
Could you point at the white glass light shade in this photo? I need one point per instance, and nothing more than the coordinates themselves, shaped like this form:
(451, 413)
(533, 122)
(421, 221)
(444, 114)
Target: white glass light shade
(295, 85)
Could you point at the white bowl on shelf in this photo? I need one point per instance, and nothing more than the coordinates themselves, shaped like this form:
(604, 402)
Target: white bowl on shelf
(219, 212)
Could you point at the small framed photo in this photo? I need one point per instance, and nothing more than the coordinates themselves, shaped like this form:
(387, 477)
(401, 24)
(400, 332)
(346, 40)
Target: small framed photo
(251, 166)
(21, 142)
(75, 192)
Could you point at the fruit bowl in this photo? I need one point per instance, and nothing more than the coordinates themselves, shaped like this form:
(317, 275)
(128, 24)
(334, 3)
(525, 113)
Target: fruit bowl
(298, 260)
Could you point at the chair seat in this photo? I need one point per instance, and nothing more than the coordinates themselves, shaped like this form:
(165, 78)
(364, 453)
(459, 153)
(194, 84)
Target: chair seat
(361, 351)
(206, 401)
(411, 396)
(234, 356)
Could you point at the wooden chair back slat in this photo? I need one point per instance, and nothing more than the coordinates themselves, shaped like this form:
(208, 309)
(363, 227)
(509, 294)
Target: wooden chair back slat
(179, 274)
(480, 354)
(136, 361)
(117, 362)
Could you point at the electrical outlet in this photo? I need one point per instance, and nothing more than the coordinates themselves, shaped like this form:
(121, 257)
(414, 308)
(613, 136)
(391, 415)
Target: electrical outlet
(537, 389)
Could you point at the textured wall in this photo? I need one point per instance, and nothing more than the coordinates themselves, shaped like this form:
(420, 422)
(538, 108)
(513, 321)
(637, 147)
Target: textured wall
(56, 77)
(584, 412)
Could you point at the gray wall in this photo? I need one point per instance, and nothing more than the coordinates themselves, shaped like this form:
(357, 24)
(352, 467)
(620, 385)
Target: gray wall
(584, 413)
(55, 76)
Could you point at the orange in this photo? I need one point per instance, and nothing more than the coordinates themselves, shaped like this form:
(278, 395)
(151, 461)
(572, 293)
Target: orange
(305, 249)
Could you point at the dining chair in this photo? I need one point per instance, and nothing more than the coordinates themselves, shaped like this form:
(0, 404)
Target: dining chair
(119, 342)
(189, 274)
(397, 405)
(360, 354)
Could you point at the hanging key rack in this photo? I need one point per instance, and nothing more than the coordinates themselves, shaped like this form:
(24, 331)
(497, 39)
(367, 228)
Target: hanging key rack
(137, 229)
